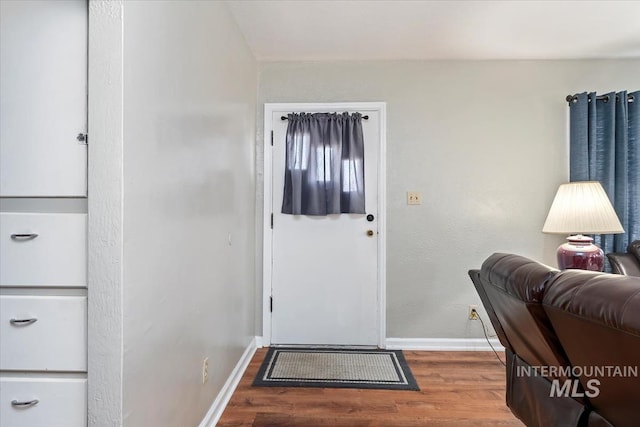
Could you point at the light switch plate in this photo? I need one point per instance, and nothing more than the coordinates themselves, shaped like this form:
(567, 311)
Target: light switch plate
(414, 198)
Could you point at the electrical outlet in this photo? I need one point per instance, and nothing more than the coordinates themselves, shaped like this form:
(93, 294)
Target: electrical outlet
(473, 312)
(414, 198)
(205, 370)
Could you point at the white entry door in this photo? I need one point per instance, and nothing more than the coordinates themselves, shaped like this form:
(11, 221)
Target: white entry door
(325, 284)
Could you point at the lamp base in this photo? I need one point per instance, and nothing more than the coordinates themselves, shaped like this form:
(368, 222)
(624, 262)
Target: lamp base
(580, 253)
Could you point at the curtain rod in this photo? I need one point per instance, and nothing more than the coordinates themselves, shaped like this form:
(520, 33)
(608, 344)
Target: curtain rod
(605, 98)
(286, 118)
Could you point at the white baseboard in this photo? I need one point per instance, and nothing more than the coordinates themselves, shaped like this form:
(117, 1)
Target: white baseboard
(443, 344)
(221, 401)
(259, 342)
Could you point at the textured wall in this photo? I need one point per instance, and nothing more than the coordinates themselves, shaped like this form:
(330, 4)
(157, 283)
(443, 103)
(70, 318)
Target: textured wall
(105, 231)
(486, 145)
(189, 207)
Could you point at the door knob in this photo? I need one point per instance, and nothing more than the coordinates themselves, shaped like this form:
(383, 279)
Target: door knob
(370, 233)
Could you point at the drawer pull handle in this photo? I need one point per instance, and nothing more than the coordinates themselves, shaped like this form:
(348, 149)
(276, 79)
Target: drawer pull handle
(23, 322)
(27, 404)
(24, 236)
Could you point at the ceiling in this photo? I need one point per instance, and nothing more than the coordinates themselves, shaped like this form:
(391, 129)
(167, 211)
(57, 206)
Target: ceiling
(316, 30)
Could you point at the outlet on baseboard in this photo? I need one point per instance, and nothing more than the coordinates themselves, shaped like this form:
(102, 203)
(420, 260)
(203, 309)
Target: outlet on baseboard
(473, 312)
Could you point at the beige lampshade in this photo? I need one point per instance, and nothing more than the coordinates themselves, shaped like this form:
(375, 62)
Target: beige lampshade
(582, 208)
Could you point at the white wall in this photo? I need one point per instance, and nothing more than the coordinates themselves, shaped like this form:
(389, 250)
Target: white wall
(486, 145)
(185, 205)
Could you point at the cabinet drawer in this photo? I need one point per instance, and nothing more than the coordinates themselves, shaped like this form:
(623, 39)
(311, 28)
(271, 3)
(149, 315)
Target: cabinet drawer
(43, 249)
(55, 341)
(61, 402)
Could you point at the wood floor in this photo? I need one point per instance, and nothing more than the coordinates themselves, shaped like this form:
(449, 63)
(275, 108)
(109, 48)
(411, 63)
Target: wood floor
(457, 389)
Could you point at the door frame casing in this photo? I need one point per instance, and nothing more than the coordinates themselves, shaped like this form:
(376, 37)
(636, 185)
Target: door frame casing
(267, 257)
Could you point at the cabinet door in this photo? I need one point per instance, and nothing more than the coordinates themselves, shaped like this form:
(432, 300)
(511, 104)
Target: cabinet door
(43, 333)
(50, 402)
(43, 63)
(43, 249)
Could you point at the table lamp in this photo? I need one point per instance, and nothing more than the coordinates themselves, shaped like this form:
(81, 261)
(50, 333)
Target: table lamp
(581, 208)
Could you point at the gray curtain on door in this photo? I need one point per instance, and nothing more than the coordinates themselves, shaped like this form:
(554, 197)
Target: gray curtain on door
(324, 167)
(605, 147)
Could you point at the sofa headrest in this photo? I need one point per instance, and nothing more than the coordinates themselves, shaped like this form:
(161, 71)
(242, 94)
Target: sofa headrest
(634, 248)
(611, 300)
(518, 276)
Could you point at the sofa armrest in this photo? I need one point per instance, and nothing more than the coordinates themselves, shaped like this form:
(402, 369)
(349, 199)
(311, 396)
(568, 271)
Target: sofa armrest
(624, 263)
(515, 286)
(475, 278)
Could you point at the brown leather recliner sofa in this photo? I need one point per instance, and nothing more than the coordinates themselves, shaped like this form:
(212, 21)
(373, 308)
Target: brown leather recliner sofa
(571, 338)
(627, 263)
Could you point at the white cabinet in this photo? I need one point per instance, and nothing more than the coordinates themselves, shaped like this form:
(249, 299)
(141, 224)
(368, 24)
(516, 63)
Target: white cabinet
(43, 249)
(43, 333)
(50, 402)
(43, 246)
(43, 64)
